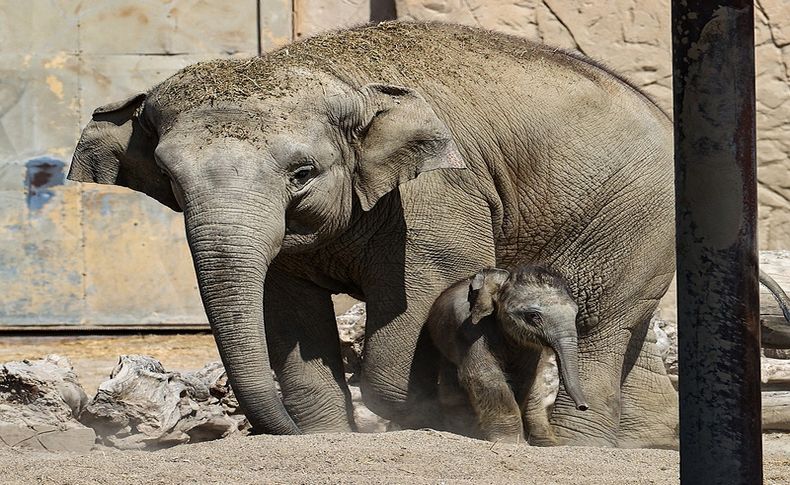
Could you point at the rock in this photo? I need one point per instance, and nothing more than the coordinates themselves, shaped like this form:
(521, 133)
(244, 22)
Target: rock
(39, 403)
(667, 343)
(366, 420)
(142, 406)
(351, 330)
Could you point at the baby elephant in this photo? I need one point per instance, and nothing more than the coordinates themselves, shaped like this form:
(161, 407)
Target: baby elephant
(494, 325)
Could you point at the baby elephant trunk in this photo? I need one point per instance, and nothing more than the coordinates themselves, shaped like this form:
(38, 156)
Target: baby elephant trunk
(566, 348)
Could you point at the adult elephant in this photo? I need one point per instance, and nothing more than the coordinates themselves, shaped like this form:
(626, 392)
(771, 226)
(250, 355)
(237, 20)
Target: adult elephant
(313, 168)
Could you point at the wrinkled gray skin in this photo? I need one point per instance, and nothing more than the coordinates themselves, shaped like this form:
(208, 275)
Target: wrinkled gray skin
(489, 330)
(388, 162)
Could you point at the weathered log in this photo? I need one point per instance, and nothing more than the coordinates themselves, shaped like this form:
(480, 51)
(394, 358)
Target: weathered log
(776, 411)
(775, 374)
(39, 403)
(143, 406)
(774, 303)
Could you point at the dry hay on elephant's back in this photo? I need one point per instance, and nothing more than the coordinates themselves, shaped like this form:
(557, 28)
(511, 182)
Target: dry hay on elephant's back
(391, 52)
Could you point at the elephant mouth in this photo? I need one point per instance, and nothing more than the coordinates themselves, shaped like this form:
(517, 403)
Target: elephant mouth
(298, 238)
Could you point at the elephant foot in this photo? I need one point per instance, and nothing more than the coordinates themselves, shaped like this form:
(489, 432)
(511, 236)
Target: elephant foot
(649, 415)
(404, 410)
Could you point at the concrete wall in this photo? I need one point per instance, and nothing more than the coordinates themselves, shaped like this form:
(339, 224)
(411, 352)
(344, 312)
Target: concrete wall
(85, 254)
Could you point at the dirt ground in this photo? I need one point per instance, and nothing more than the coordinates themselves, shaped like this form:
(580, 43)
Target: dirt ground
(411, 457)
(401, 457)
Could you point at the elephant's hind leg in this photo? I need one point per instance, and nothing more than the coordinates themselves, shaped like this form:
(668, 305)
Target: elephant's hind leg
(600, 365)
(305, 354)
(649, 403)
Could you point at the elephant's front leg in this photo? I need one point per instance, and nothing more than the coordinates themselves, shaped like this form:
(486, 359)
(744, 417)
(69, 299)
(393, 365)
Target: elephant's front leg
(416, 258)
(458, 414)
(305, 354)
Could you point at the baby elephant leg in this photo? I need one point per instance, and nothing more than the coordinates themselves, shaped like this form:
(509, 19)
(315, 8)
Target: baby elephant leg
(481, 375)
(538, 380)
(458, 414)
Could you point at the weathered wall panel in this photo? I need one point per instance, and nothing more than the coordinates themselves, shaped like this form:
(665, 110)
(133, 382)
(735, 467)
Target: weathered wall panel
(314, 16)
(86, 254)
(168, 27)
(41, 270)
(276, 21)
(137, 264)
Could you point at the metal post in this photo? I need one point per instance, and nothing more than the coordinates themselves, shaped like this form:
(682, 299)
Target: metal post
(718, 300)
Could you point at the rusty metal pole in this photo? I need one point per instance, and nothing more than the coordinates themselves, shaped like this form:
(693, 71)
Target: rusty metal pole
(718, 300)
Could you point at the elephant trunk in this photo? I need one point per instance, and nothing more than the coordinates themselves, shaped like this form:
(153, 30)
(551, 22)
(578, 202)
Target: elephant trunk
(566, 347)
(234, 234)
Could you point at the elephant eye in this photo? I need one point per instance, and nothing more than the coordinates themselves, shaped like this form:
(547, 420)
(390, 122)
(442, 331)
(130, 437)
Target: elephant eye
(531, 316)
(302, 174)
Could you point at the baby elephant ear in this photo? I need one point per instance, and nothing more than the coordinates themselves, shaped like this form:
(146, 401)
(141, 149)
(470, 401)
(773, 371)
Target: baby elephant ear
(484, 291)
(396, 136)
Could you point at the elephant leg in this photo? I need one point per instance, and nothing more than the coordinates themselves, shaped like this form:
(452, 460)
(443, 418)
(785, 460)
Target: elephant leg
(481, 375)
(399, 366)
(422, 258)
(536, 382)
(649, 402)
(600, 366)
(459, 416)
(305, 353)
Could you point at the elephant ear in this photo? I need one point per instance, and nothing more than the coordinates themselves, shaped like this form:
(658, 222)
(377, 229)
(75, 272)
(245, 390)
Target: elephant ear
(116, 149)
(396, 136)
(484, 291)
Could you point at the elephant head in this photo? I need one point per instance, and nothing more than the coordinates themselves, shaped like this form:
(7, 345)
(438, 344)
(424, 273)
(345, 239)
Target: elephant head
(532, 304)
(261, 159)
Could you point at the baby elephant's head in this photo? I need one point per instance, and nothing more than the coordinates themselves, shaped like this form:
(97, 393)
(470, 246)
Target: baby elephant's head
(532, 304)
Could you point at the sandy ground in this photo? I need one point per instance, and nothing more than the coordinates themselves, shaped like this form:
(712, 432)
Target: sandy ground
(400, 457)
(411, 457)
